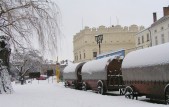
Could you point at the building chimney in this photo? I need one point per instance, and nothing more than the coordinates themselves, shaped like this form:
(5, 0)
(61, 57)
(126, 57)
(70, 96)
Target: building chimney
(166, 11)
(154, 17)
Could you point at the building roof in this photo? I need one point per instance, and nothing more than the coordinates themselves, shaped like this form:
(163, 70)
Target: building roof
(163, 19)
(142, 31)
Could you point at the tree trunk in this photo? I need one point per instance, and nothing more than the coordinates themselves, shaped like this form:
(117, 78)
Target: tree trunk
(5, 82)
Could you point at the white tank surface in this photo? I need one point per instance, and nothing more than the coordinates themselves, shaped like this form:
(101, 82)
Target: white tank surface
(149, 64)
(70, 72)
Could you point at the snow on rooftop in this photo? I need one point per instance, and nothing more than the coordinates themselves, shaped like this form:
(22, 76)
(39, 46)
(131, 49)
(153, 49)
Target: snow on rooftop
(146, 57)
(72, 67)
(97, 65)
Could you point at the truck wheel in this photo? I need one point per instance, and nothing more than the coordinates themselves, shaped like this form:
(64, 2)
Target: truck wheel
(66, 84)
(122, 91)
(73, 85)
(129, 93)
(100, 88)
(84, 87)
(167, 95)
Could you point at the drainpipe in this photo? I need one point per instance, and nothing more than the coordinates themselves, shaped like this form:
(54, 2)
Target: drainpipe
(150, 37)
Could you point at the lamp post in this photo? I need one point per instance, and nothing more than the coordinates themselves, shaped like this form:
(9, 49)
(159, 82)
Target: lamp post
(99, 39)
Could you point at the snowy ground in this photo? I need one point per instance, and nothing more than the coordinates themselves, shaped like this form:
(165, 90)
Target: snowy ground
(55, 94)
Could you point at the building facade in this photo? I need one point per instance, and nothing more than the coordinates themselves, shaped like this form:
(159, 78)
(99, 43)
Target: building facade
(157, 33)
(143, 39)
(114, 38)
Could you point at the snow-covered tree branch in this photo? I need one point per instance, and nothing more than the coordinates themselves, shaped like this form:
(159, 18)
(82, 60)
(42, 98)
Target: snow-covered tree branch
(25, 20)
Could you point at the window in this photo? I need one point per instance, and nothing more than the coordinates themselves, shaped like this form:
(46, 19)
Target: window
(148, 37)
(80, 56)
(142, 39)
(155, 31)
(84, 56)
(138, 40)
(77, 57)
(162, 38)
(156, 40)
(94, 54)
(162, 28)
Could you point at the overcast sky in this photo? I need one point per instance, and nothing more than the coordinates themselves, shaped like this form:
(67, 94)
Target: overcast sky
(76, 14)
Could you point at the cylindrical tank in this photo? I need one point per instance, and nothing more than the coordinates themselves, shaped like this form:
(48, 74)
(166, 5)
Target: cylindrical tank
(105, 70)
(72, 75)
(95, 69)
(147, 70)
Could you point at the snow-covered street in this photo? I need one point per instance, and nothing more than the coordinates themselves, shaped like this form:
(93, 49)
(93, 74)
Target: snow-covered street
(55, 94)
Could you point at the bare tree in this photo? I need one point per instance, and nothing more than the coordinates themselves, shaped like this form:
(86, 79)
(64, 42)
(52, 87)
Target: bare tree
(25, 62)
(26, 20)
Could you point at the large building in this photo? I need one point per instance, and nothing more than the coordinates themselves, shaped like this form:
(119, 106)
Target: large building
(157, 33)
(114, 38)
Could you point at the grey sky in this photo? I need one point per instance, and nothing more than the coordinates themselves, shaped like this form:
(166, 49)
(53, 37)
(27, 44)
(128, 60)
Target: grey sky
(103, 12)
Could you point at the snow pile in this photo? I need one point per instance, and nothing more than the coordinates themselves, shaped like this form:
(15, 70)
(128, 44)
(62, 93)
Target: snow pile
(44, 94)
(156, 55)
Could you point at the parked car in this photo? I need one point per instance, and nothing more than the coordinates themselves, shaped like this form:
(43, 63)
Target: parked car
(41, 78)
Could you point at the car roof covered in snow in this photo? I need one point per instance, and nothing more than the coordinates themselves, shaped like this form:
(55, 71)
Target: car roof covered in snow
(72, 67)
(98, 65)
(155, 55)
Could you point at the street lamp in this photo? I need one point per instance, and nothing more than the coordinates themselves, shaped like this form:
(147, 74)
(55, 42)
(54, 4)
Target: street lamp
(99, 39)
